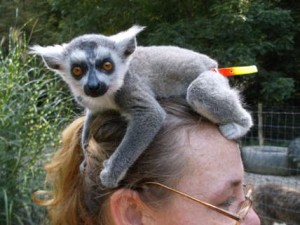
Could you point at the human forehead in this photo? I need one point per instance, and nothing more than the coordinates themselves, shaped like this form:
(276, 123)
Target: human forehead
(214, 162)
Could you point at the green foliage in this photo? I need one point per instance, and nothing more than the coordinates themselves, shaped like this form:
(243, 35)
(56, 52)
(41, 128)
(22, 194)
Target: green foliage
(262, 34)
(239, 32)
(34, 108)
(91, 16)
(277, 88)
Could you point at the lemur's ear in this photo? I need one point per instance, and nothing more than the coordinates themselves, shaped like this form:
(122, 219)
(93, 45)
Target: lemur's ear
(52, 55)
(126, 40)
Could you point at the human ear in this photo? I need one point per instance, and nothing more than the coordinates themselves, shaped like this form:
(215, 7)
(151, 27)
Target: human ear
(127, 208)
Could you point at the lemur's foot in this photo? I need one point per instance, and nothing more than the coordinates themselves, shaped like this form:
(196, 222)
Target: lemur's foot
(233, 130)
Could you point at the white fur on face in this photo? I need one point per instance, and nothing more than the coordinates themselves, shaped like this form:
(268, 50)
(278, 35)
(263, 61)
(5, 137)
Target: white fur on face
(78, 55)
(114, 80)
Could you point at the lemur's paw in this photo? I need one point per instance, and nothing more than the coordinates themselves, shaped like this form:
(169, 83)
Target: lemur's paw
(233, 130)
(112, 174)
(82, 166)
(107, 179)
(106, 175)
(106, 163)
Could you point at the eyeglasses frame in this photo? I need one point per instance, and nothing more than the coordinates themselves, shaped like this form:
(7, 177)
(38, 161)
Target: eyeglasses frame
(245, 205)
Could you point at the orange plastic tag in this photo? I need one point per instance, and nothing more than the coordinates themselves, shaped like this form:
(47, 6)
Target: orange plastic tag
(234, 71)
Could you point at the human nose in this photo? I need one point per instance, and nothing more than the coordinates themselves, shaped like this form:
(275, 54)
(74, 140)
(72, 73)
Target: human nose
(251, 218)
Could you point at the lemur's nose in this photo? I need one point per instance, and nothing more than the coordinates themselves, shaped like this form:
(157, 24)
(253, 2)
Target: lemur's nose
(93, 86)
(95, 89)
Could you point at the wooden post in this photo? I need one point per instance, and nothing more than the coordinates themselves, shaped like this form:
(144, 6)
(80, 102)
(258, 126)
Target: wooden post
(260, 125)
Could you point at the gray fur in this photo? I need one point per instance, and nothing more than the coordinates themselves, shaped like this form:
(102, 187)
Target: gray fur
(276, 203)
(141, 76)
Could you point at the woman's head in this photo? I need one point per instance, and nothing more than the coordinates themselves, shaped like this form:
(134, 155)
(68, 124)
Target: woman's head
(188, 153)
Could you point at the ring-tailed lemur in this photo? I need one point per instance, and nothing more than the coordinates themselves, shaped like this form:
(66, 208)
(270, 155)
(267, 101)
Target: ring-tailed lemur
(111, 72)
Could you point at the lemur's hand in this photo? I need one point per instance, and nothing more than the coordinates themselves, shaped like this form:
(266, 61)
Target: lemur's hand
(84, 146)
(107, 175)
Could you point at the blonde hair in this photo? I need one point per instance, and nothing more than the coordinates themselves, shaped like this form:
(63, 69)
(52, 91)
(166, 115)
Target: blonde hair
(77, 198)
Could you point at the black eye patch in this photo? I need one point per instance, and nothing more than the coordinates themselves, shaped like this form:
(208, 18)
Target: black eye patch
(105, 65)
(78, 70)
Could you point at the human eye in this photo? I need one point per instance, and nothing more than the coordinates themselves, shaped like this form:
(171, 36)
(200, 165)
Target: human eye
(227, 203)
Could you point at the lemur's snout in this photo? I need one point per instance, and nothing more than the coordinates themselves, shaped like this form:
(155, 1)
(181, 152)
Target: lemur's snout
(95, 89)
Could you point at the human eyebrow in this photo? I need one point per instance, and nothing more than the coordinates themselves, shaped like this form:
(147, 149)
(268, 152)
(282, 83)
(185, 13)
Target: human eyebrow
(230, 184)
(236, 183)
(227, 189)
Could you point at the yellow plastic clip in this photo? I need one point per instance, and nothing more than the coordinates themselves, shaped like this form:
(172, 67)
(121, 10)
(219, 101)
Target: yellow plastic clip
(239, 70)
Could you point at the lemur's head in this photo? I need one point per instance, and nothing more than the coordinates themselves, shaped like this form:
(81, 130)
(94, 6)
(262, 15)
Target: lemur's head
(92, 64)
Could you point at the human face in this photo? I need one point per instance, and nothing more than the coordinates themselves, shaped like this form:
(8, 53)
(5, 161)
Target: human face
(241, 214)
(214, 175)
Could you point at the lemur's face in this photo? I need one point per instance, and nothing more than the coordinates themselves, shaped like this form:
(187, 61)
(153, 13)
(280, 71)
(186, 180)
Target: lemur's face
(93, 66)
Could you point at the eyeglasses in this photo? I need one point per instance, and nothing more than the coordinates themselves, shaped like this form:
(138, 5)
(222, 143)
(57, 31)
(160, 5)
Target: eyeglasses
(245, 206)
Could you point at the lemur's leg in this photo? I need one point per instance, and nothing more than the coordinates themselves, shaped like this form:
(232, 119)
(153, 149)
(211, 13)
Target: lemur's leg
(211, 96)
(85, 137)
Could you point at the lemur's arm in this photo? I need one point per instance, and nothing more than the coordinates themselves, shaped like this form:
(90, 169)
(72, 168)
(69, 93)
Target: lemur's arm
(145, 118)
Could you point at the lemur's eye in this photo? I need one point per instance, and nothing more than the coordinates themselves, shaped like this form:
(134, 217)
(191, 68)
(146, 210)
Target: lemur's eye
(107, 66)
(77, 71)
